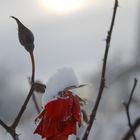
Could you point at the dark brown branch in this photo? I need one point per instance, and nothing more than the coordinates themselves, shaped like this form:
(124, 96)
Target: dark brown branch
(4, 125)
(13, 133)
(127, 108)
(14, 125)
(25, 35)
(135, 125)
(33, 66)
(102, 81)
(12, 129)
(132, 92)
(32, 81)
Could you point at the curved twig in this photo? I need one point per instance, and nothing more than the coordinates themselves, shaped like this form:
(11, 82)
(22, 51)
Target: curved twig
(33, 66)
(16, 121)
(33, 79)
(14, 125)
(24, 36)
(12, 129)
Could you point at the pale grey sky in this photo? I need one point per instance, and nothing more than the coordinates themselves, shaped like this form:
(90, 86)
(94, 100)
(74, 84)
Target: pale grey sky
(74, 39)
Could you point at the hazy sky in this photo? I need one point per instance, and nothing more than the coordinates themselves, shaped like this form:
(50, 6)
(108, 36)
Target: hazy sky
(69, 37)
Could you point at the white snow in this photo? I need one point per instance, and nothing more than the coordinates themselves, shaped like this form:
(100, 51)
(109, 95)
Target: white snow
(63, 78)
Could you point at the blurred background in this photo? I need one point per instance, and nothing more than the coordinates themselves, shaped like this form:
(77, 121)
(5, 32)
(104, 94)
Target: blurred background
(71, 33)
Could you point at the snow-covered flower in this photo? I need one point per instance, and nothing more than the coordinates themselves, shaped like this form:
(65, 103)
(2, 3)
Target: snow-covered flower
(64, 77)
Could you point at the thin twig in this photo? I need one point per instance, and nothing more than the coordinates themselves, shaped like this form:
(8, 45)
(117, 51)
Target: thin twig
(4, 125)
(127, 108)
(33, 66)
(16, 121)
(24, 36)
(135, 125)
(35, 103)
(102, 81)
(32, 81)
(12, 129)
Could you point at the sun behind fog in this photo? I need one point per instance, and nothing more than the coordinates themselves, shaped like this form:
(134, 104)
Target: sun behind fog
(63, 6)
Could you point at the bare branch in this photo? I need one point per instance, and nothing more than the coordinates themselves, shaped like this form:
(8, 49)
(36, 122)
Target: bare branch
(14, 125)
(33, 66)
(28, 36)
(32, 81)
(132, 92)
(135, 125)
(16, 121)
(3, 125)
(35, 103)
(102, 81)
(10, 130)
(127, 108)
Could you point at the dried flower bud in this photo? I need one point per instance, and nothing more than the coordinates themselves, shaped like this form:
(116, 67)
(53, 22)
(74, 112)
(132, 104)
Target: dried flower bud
(26, 37)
